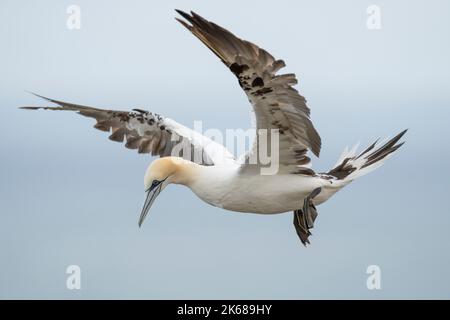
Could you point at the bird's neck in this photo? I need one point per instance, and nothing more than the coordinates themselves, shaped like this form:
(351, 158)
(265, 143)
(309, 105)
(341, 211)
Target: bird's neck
(186, 172)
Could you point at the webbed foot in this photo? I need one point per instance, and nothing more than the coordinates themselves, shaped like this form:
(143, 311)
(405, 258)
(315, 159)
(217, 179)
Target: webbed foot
(304, 218)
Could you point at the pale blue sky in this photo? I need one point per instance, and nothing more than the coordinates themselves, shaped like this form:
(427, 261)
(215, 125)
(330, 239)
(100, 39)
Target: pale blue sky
(70, 196)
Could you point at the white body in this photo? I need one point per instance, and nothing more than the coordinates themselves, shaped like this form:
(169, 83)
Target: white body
(210, 170)
(232, 188)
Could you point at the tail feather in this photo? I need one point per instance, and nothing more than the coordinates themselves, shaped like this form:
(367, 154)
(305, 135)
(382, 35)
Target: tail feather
(351, 166)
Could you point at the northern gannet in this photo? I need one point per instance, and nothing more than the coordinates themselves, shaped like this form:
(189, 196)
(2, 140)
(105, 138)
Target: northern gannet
(210, 170)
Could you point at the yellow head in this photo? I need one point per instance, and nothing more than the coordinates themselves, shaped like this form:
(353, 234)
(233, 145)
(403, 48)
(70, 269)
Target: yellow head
(162, 172)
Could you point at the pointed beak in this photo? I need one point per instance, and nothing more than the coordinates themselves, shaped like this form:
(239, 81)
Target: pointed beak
(152, 193)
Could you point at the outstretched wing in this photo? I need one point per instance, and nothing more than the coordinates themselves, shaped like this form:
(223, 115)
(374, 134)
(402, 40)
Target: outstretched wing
(277, 105)
(150, 133)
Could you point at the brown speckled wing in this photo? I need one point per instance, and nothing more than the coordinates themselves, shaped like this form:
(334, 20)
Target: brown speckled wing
(147, 132)
(277, 105)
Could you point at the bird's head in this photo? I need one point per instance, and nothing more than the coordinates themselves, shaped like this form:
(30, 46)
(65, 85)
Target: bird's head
(160, 173)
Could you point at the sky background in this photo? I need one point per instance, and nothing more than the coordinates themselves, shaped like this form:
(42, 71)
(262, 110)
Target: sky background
(70, 196)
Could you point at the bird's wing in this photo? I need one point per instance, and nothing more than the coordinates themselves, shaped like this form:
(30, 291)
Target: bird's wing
(150, 133)
(277, 105)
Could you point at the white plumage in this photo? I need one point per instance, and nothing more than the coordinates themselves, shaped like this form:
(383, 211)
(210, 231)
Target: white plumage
(211, 171)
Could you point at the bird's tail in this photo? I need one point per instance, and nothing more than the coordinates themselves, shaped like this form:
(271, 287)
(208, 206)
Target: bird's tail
(352, 165)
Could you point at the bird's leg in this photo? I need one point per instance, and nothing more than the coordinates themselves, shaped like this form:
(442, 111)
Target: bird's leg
(304, 218)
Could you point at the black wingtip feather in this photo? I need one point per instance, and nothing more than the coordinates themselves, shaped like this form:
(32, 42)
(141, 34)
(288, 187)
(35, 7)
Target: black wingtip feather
(29, 108)
(184, 23)
(185, 15)
(39, 96)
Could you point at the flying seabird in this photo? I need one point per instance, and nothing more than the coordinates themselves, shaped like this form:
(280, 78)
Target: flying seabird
(210, 170)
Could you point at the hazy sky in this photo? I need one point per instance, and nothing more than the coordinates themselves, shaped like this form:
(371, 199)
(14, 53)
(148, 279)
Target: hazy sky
(69, 196)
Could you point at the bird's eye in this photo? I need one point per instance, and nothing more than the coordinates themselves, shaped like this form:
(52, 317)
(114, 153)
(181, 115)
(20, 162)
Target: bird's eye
(155, 183)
